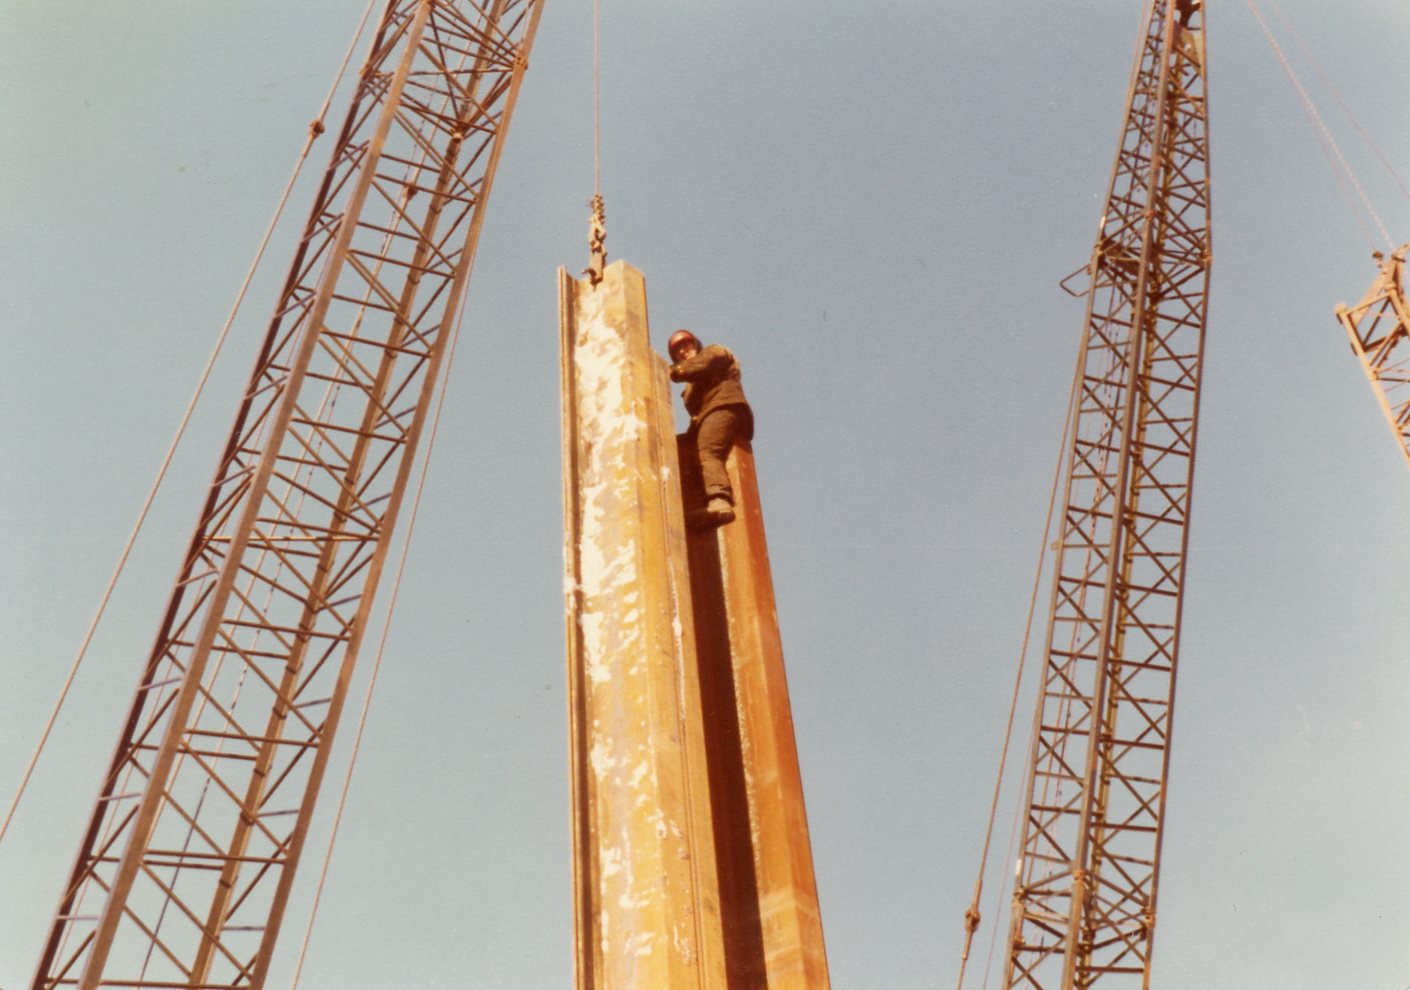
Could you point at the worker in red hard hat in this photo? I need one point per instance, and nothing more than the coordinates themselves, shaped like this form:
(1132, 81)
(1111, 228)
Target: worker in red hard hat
(719, 416)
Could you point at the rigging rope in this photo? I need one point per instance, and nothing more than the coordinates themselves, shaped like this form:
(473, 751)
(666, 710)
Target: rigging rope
(1329, 144)
(377, 662)
(1321, 74)
(392, 599)
(315, 129)
(327, 403)
(382, 641)
(597, 226)
(1018, 812)
(972, 915)
(597, 97)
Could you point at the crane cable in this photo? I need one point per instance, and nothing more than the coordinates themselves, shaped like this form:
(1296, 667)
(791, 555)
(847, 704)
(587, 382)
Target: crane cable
(1018, 813)
(1347, 175)
(1341, 101)
(392, 599)
(382, 641)
(597, 98)
(315, 128)
(1020, 808)
(972, 915)
(597, 225)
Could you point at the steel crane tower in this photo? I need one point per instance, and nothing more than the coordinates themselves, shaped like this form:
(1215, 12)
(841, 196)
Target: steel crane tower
(185, 868)
(1378, 328)
(1084, 906)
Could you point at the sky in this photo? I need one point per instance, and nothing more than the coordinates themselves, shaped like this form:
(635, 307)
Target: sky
(872, 208)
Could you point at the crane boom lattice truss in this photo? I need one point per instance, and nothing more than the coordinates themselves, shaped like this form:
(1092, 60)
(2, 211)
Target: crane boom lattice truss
(183, 875)
(1379, 328)
(1084, 902)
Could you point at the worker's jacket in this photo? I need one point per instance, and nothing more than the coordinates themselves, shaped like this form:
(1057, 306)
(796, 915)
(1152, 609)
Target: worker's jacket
(712, 382)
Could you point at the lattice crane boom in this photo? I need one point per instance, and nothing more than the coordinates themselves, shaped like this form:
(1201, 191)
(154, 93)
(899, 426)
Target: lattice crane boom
(1085, 897)
(1379, 327)
(185, 868)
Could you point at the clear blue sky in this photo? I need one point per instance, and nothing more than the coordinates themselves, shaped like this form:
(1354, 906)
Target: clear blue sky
(872, 207)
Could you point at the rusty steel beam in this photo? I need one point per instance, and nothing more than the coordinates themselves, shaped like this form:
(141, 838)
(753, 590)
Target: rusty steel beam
(184, 872)
(768, 895)
(645, 894)
(1379, 328)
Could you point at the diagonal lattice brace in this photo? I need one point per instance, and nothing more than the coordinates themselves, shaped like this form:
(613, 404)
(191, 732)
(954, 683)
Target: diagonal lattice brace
(1084, 903)
(1378, 328)
(185, 868)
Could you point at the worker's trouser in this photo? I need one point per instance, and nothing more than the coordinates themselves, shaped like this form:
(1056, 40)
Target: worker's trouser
(714, 436)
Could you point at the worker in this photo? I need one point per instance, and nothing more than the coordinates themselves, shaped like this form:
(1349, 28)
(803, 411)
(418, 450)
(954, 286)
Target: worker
(720, 417)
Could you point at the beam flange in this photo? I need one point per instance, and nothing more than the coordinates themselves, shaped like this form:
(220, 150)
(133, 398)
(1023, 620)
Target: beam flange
(646, 897)
(769, 897)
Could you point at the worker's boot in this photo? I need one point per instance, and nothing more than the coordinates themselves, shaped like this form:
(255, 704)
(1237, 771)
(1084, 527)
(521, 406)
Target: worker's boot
(717, 512)
(720, 511)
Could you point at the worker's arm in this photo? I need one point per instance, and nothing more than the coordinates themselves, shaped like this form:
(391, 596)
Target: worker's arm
(709, 362)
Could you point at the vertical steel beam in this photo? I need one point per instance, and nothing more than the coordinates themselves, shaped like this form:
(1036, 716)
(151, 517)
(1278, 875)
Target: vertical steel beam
(239, 700)
(768, 894)
(1379, 328)
(646, 900)
(1084, 906)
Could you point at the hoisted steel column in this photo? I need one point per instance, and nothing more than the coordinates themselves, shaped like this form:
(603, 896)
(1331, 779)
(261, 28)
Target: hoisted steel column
(768, 896)
(646, 900)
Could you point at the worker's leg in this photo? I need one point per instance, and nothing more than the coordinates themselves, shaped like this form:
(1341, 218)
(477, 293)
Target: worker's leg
(713, 440)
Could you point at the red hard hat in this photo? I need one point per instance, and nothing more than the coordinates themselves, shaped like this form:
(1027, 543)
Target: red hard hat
(678, 338)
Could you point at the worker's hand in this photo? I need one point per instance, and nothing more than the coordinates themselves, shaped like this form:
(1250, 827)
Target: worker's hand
(712, 361)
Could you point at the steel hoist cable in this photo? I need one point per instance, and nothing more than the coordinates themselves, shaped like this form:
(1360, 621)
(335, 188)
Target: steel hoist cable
(1341, 101)
(1346, 175)
(455, 327)
(972, 913)
(597, 225)
(315, 128)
